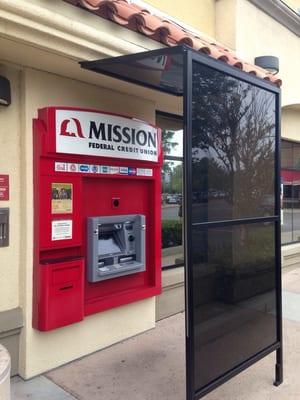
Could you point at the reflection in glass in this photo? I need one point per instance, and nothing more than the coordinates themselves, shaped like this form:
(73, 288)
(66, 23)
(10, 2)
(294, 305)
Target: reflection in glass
(163, 71)
(172, 142)
(296, 206)
(296, 156)
(172, 183)
(290, 225)
(172, 212)
(290, 179)
(286, 154)
(233, 142)
(287, 216)
(234, 296)
(172, 135)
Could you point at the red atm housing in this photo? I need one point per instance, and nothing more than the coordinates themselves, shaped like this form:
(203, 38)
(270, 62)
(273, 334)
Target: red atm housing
(69, 187)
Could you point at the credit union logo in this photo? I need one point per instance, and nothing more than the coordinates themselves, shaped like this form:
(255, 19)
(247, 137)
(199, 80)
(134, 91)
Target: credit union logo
(66, 126)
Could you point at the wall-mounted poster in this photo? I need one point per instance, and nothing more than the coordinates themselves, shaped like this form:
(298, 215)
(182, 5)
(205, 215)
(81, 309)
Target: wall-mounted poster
(61, 229)
(62, 198)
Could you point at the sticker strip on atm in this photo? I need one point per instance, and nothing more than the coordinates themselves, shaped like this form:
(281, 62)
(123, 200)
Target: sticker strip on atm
(102, 169)
(114, 170)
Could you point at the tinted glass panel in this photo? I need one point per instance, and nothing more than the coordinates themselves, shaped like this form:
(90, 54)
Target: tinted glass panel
(296, 206)
(172, 190)
(286, 154)
(172, 233)
(163, 71)
(287, 207)
(290, 179)
(296, 156)
(172, 137)
(234, 296)
(233, 142)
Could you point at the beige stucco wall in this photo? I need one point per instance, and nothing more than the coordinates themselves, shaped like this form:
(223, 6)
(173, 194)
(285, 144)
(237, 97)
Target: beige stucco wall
(225, 22)
(294, 4)
(290, 123)
(285, 45)
(265, 36)
(252, 33)
(43, 351)
(198, 14)
(10, 164)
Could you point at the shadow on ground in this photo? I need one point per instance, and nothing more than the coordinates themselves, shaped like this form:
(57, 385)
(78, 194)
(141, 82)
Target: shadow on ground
(151, 366)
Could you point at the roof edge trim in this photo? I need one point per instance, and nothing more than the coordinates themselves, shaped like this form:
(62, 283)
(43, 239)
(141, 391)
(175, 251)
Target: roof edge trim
(282, 13)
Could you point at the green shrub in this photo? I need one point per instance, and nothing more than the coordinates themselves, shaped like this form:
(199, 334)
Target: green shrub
(171, 233)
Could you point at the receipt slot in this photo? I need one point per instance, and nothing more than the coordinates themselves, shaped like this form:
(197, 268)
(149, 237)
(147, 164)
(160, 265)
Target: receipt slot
(97, 213)
(116, 246)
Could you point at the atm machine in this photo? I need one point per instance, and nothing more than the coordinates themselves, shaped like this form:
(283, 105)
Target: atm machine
(97, 213)
(116, 246)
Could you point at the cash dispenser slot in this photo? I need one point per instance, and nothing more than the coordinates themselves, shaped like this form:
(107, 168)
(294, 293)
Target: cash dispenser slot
(116, 246)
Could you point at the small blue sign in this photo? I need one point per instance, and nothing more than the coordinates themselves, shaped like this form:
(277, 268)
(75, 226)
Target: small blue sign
(131, 171)
(124, 170)
(84, 168)
(94, 168)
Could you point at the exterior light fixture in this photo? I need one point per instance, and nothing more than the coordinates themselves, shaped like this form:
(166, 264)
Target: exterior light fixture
(5, 93)
(270, 63)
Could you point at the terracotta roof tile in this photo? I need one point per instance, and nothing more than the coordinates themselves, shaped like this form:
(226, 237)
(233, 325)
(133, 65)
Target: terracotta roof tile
(153, 27)
(121, 12)
(141, 20)
(196, 43)
(175, 35)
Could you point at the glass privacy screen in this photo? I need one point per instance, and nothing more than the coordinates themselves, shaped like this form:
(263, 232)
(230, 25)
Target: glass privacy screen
(232, 223)
(233, 148)
(231, 208)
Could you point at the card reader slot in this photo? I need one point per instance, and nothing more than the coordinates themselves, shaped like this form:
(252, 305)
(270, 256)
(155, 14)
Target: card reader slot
(125, 259)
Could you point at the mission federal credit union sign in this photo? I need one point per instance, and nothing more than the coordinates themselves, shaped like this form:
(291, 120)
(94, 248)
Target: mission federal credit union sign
(106, 135)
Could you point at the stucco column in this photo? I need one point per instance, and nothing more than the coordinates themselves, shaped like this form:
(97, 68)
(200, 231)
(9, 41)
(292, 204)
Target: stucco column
(4, 374)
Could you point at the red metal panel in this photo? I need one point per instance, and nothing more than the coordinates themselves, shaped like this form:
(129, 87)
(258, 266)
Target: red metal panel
(137, 196)
(60, 294)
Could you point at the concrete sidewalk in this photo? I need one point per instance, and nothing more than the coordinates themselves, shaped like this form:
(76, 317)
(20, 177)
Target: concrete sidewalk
(151, 366)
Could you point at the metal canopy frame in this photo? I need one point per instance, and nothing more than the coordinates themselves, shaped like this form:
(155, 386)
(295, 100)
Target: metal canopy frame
(126, 68)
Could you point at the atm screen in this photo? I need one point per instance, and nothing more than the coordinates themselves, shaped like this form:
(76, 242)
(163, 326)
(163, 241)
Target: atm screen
(108, 244)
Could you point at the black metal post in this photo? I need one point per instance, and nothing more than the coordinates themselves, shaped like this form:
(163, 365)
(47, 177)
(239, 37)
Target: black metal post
(187, 148)
(279, 351)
